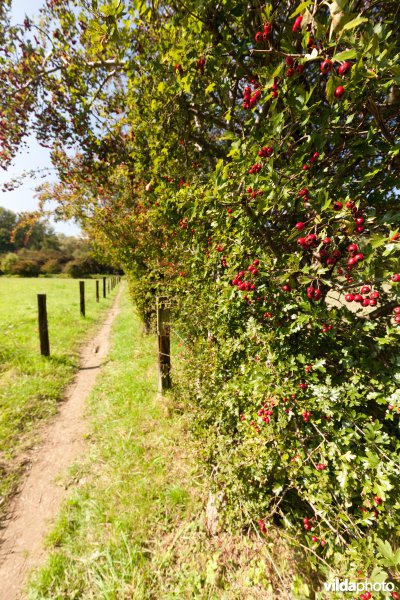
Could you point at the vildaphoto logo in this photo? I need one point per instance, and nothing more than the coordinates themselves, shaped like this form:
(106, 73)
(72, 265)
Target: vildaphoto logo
(346, 585)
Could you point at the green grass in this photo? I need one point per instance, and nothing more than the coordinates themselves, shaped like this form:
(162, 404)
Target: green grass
(31, 385)
(134, 524)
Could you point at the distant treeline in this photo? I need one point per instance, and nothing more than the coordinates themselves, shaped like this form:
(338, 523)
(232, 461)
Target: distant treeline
(33, 250)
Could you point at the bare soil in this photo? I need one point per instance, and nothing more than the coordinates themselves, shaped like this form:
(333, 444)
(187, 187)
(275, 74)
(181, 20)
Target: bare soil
(35, 507)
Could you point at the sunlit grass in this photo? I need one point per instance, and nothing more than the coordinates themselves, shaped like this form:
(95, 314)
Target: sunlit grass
(31, 385)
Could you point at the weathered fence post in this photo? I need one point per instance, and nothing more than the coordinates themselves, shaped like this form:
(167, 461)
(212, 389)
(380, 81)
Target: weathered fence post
(104, 287)
(82, 297)
(43, 327)
(164, 346)
(97, 290)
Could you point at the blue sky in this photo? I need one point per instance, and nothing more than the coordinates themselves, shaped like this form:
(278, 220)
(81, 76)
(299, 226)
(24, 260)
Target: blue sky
(32, 157)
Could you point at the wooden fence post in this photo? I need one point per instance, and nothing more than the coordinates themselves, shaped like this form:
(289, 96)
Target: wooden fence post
(43, 327)
(104, 287)
(82, 297)
(97, 290)
(164, 346)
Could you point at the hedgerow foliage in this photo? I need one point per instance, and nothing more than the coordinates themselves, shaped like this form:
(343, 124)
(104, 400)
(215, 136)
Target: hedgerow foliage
(242, 160)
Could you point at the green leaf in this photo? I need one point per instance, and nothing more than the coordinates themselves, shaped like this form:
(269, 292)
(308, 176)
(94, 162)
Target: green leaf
(300, 8)
(345, 55)
(354, 23)
(210, 87)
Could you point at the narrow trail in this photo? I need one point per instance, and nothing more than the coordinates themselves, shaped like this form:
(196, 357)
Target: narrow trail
(36, 506)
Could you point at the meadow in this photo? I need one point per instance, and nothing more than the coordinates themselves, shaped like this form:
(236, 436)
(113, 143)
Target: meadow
(31, 385)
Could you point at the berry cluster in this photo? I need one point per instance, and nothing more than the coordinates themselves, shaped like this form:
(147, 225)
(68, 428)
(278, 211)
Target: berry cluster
(251, 97)
(265, 152)
(262, 36)
(313, 293)
(246, 285)
(293, 67)
(275, 88)
(320, 467)
(254, 193)
(358, 216)
(327, 67)
(371, 300)
(312, 160)
(256, 168)
(355, 256)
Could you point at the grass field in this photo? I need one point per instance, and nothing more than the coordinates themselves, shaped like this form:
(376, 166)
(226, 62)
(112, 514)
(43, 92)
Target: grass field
(31, 385)
(134, 525)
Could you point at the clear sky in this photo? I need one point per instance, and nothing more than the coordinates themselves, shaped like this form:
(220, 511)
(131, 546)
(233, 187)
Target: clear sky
(34, 156)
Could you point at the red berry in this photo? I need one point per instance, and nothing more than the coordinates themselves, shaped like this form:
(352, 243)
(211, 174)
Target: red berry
(359, 257)
(297, 24)
(317, 294)
(326, 66)
(286, 288)
(289, 61)
(300, 69)
(337, 205)
(360, 228)
(360, 220)
(300, 226)
(349, 297)
(314, 538)
(311, 239)
(259, 37)
(365, 289)
(395, 277)
(352, 248)
(302, 242)
(339, 91)
(358, 298)
(344, 68)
